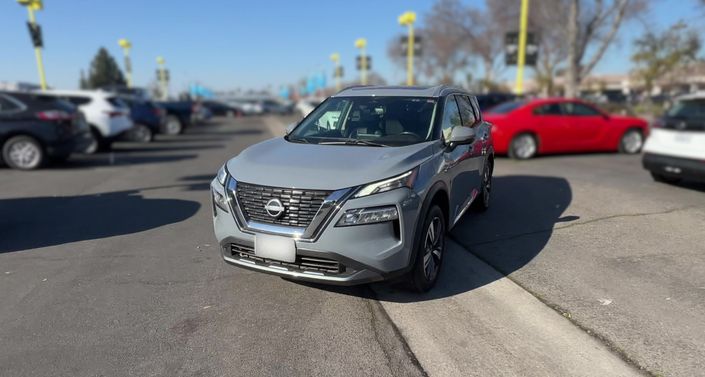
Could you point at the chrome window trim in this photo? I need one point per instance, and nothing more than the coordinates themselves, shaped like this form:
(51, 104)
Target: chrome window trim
(20, 105)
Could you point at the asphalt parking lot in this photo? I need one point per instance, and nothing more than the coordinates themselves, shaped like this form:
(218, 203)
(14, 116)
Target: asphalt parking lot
(583, 265)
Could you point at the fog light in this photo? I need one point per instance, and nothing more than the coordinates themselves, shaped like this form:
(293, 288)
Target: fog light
(220, 201)
(368, 216)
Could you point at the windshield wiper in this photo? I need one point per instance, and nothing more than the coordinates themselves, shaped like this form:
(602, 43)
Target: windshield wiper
(354, 142)
(298, 140)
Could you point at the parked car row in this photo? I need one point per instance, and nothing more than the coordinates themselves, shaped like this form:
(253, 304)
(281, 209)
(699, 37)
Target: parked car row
(37, 127)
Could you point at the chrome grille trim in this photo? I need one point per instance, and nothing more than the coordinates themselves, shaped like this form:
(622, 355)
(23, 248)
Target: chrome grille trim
(328, 209)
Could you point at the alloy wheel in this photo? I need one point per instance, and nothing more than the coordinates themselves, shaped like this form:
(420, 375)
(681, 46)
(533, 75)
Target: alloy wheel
(632, 142)
(524, 146)
(433, 248)
(25, 154)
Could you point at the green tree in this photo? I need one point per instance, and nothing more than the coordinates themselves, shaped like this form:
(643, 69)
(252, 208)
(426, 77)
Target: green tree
(104, 71)
(82, 82)
(658, 54)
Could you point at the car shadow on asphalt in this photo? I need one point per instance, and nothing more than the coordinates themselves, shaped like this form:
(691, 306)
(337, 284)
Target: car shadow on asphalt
(30, 223)
(512, 232)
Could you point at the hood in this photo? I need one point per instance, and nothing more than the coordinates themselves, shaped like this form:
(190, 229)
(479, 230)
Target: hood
(279, 163)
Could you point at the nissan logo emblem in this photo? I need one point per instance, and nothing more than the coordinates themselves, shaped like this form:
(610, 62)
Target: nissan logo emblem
(274, 208)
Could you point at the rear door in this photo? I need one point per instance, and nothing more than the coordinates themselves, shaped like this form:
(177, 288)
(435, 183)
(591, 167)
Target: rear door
(585, 126)
(550, 125)
(459, 163)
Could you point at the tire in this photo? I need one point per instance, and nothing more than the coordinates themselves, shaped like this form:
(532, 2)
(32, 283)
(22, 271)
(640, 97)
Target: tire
(429, 251)
(23, 153)
(664, 179)
(631, 142)
(482, 202)
(523, 147)
(141, 134)
(94, 145)
(173, 125)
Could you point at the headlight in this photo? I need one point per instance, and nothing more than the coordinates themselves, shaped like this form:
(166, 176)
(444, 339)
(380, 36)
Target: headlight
(368, 216)
(405, 180)
(222, 175)
(220, 201)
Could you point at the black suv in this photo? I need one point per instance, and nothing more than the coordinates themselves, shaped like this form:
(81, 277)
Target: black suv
(35, 127)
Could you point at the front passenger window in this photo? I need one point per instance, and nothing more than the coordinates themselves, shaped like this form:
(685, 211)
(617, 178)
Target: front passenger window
(451, 117)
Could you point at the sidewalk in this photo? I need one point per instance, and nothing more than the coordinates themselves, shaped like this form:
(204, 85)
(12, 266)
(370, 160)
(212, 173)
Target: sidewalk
(477, 322)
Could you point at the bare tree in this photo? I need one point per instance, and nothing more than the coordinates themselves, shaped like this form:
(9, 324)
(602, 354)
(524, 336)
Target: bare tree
(445, 45)
(593, 26)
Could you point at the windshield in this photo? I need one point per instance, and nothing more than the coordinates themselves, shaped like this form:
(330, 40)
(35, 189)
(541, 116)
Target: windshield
(378, 121)
(694, 108)
(506, 107)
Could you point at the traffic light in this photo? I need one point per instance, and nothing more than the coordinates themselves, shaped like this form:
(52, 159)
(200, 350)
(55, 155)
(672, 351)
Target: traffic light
(368, 65)
(35, 32)
(404, 40)
(511, 49)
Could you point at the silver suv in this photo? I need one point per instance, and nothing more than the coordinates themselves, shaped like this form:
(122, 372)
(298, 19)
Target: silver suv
(363, 189)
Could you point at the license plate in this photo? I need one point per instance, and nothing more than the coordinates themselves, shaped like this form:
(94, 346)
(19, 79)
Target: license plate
(683, 138)
(275, 247)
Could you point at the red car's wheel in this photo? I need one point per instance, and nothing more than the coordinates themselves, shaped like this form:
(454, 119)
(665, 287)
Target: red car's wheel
(523, 147)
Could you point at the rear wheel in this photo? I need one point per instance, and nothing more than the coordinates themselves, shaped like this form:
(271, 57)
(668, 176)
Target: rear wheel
(23, 153)
(523, 147)
(482, 202)
(173, 125)
(429, 251)
(631, 142)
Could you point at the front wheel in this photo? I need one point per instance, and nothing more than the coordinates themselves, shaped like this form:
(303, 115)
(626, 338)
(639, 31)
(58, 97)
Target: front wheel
(141, 133)
(631, 142)
(429, 251)
(23, 153)
(523, 147)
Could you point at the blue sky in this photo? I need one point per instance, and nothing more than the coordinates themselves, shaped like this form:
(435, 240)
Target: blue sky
(236, 44)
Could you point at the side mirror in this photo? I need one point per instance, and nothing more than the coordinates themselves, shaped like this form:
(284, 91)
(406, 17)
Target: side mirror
(290, 128)
(460, 135)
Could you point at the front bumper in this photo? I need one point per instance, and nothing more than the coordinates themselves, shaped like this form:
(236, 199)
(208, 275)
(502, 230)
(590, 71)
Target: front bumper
(676, 167)
(334, 255)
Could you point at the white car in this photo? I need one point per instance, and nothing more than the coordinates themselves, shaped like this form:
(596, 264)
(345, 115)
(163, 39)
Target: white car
(305, 106)
(675, 149)
(107, 115)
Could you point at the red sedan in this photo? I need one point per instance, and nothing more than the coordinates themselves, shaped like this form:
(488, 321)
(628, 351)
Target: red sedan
(523, 129)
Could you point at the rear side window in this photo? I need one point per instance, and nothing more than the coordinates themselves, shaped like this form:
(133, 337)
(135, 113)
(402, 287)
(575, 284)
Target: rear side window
(548, 109)
(578, 109)
(7, 105)
(117, 102)
(467, 113)
(78, 101)
(689, 109)
(506, 107)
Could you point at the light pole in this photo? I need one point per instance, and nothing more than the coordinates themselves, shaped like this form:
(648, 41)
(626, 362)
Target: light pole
(126, 46)
(408, 19)
(521, 59)
(162, 77)
(361, 43)
(35, 32)
(335, 58)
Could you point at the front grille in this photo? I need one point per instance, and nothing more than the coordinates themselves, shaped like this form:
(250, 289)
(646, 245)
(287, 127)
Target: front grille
(302, 263)
(301, 205)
